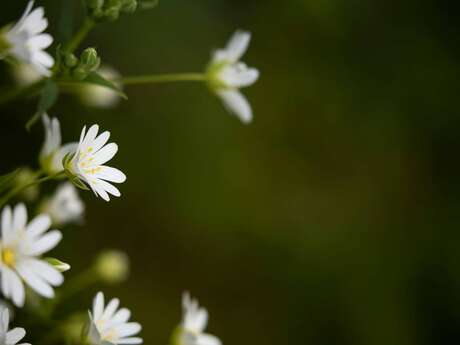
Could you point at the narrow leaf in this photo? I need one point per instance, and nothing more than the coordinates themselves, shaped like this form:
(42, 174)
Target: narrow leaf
(48, 97)
(97, 79)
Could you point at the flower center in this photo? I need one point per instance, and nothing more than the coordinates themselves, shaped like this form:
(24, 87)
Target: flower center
(8, 257)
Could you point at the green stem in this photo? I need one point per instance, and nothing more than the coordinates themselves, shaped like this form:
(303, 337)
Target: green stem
(80, 35)
(15, 191)
(162, 78)
(21, 92)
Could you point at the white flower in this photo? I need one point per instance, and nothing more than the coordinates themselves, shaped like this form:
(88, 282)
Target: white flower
(52, 152)
(27, 42)
(110, 324)
(65, 206)
(21, 246)
(87, 163)
(13, 336)
(98, 96)
(226, 75)
(194, 321)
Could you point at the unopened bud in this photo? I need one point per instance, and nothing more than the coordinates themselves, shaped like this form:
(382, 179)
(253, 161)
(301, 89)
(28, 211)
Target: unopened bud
(70, 60)
(112, 266)
(57, 264)
(89, 60)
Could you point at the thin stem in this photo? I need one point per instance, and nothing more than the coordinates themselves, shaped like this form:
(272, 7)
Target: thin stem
(20, 92)
(162, 78)
(15, 191)
(80, 35)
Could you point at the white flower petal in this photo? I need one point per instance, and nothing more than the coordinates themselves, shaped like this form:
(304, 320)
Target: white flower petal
(237, 104)
(44, 244)
(111, 308)
(110, 174)
(12, 286)
(38, 225)
(7, 223)
(34, 281)
(98, 306)
(238, 45)
(105, 154)
(45, 271)
(127, 329)
(207, 339)
(19, 217)
(127, 341)
(15, 335)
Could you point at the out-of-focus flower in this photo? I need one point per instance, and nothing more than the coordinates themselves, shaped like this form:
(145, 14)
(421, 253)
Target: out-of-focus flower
(24, 74)
(9, 337)
(87, 163)
(112, 266)
(26, 41)
(65, 206)
(52, 152)
(20, 250)
(108, 324)
(226, 75)
(194, 321)
(98, 96)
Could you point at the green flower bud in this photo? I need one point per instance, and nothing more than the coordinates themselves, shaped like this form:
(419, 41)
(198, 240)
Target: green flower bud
(112, 266)
(57, 264)
(89, 60)
(70, 60)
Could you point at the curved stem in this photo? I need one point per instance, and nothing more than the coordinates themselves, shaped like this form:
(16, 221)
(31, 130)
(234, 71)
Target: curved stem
(80, 35)
(162, 78)
(15, 191)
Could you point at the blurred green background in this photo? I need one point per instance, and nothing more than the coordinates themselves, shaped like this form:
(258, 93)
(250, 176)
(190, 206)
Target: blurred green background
(332, 219)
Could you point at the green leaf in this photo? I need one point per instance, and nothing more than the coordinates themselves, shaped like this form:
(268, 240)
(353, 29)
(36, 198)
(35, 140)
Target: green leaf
(97, 79)
(48, 97)
(7, 179)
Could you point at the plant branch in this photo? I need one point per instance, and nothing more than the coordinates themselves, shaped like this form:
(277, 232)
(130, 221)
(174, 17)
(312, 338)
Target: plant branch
(162, 78)
(80, 35)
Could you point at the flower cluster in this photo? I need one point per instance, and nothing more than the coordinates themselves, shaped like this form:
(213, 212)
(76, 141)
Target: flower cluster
(25, 274)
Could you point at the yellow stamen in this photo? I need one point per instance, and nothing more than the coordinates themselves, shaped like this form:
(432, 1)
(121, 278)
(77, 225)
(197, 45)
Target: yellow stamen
(8, 257)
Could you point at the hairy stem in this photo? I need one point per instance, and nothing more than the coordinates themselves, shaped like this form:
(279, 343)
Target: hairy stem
(162, 78)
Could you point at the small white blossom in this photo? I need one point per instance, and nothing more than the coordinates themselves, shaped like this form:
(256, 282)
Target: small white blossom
(21, 246)
(110, 324)
(227, 75)
(194, 321)
(52, 152)
(26, 41)
(87, 163)
(99, 96)
(65, 206)
(9, 337)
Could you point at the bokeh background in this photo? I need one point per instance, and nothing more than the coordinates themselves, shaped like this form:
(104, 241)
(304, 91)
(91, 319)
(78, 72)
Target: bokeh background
(332, 219)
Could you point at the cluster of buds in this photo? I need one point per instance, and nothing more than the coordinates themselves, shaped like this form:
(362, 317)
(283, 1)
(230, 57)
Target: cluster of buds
(110, 10)
(80, 68)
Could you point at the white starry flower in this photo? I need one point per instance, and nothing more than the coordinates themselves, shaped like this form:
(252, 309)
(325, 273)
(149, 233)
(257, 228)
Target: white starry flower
(65, 206)
(26, 41)
(194, 321)
(21, 246)
(53, 152)
(9, 337)
(108, 324)
(87, 163)
(227, 75)
(97, 96)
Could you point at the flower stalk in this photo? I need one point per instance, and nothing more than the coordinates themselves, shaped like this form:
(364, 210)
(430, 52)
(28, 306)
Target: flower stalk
(80, 35)
(162, 78)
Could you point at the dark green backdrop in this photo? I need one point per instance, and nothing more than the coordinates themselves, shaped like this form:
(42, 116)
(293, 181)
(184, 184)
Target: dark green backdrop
(332, 219)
